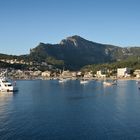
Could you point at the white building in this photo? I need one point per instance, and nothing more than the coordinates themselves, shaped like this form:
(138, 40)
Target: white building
(67, 74)
(100, 75)
(46, 74)
(37, 73)
(88, 75)
(137, 73)
(123, 72)
(79, 73)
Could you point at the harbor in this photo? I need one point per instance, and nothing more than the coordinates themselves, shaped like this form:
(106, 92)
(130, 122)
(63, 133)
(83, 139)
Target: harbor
(70, 110)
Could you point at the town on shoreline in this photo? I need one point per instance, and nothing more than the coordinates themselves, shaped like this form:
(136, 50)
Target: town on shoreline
(122, 74)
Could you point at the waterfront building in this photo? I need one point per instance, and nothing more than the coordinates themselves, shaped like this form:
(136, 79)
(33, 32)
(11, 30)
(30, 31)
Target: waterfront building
(46, 74)
(137, 73)
(123, 72)
(99, 74)
(67, 73)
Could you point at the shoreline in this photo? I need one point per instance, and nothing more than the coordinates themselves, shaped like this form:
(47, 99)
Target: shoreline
(79, 78)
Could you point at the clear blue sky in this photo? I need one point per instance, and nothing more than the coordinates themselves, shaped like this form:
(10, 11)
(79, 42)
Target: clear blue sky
(25, 23)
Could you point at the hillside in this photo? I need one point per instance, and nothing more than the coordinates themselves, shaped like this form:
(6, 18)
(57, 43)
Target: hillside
(75, 52)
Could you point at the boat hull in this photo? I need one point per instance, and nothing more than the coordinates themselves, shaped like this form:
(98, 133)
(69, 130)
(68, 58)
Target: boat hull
(9, 90)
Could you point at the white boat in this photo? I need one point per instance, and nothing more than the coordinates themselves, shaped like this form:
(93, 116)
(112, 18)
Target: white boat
(6, 86)
(138, 84)
(109, 83)
(62, 80)
(84, 81)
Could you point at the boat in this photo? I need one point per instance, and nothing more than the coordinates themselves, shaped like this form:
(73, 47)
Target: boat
(6, 86)
(110, 83)
(138, 83)
(84, 81)
(62, 80)
(107, 83)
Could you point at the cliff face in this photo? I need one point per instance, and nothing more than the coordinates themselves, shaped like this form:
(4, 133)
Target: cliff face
(77, 52)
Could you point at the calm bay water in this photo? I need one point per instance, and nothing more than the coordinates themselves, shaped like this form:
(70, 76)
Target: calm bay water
(49, 110)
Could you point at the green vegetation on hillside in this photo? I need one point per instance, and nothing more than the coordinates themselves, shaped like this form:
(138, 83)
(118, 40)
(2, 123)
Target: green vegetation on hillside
(75, 52)
(131, 62)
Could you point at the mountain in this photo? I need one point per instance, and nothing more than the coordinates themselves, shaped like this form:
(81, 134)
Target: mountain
(75, 52)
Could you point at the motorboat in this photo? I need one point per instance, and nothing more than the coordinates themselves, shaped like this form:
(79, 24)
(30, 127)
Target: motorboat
(6, 86)
(109, 83)
(84, 81)
(62, 80)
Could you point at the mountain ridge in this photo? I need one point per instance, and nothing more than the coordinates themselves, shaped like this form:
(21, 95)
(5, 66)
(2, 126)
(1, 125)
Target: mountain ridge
(77, 52)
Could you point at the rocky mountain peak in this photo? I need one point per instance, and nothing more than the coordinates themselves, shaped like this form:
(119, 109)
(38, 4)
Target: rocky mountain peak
(74, 41)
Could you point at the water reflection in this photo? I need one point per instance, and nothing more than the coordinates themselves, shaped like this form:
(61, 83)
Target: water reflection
(5, 107)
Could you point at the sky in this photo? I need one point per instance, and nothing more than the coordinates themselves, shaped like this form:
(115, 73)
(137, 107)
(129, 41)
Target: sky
(26, 23)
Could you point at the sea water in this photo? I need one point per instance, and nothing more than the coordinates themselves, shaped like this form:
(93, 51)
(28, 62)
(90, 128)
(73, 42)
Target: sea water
(49, 110)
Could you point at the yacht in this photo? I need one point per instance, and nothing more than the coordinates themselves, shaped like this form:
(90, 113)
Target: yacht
(6, 86)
